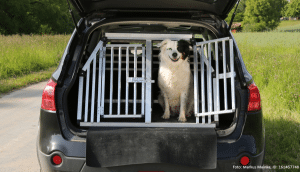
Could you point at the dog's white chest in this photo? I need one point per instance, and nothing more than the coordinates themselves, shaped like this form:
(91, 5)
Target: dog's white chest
(174, 79)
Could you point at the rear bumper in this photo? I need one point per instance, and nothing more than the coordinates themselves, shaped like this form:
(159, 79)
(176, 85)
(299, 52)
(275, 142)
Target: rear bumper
(79, 165)
(50, 141)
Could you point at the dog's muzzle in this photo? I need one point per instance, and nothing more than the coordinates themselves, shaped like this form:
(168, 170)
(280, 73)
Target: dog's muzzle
(174, 55)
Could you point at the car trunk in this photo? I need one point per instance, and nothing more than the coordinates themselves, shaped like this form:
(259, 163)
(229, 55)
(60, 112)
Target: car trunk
(121, 109)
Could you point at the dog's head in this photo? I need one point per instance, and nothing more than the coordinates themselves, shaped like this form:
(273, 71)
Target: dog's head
(174, 50)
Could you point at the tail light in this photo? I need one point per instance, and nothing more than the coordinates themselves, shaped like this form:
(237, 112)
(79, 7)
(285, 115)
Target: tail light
(48, 101)
(254, 103)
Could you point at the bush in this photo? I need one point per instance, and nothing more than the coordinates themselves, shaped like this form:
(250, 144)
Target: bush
(262, 15)
(254, 27)
(239, 17)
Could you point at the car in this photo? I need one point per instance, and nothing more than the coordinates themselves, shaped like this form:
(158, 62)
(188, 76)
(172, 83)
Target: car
(99, 109)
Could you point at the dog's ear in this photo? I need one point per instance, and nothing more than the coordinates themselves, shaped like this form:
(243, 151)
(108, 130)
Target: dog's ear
(163, 43)
(184, 48)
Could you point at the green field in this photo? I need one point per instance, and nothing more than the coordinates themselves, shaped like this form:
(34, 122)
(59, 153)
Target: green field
(21, 56)
(285, 25)
(273, 59)
(288, 25)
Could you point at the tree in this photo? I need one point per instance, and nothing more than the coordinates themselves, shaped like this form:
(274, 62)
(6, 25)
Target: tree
(15, 17)
(292, 9)
(35, 16)
(262, 14)
(53, 16)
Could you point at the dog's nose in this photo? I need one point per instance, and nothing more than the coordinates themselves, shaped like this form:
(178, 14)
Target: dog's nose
(174, 54)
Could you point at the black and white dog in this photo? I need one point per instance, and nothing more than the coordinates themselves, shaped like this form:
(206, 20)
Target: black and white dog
(175, 79)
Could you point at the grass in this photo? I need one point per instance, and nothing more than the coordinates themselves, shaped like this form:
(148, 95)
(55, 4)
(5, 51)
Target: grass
(285, 25)
(289, 25)
(21, 55)
(273, 59)
(28, 59)
(14, 83)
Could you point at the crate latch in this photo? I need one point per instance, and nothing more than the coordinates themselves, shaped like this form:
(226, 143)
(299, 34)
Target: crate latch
(139, 80)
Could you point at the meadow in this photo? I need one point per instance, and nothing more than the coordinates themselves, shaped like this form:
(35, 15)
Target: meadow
(288, 25)
(272, 58)
(24, 57)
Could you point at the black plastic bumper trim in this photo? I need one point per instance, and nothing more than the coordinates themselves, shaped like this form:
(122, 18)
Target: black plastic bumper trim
(79, 165)
(68, 163)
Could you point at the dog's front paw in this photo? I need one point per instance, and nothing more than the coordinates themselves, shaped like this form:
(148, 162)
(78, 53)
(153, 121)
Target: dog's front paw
(190, 114)
(166, 115)
(182, 119)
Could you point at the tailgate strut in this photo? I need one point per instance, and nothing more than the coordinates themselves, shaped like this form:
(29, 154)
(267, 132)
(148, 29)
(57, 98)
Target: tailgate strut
(70, 10)
(233, 15)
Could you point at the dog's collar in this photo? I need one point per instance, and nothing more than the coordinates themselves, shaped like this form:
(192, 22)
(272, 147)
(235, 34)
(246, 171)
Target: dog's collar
(183, 54)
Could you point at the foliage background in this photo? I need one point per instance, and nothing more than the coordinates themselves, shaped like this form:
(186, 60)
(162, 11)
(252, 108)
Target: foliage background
(45, 16)
(239, 15)
(262, 14)
(292, 9)
(35, 17)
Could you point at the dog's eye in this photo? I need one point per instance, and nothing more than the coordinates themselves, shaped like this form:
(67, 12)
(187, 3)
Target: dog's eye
(169, 49)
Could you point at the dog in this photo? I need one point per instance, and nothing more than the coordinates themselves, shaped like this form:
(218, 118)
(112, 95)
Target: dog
(175, 79)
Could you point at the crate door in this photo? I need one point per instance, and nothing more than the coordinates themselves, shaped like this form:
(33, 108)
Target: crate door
(126, 67)
(91, 87)
(112, 83)
(212, 74)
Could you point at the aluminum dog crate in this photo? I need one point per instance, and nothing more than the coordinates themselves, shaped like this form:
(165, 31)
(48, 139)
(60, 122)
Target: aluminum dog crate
(106, 66)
